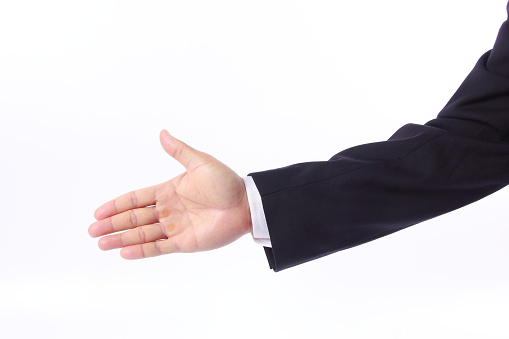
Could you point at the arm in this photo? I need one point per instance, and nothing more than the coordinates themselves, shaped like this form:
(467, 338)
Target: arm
(314, 209)
(369, 191)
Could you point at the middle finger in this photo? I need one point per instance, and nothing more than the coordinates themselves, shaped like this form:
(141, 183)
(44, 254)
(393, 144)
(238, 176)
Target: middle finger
(124, 221)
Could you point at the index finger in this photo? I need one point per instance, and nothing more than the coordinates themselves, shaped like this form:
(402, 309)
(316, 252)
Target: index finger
(136, 199)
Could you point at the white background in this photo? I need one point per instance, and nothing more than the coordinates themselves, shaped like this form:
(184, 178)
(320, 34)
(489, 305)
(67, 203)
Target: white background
(86, 86)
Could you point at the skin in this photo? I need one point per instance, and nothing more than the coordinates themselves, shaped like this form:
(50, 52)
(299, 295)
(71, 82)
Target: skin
(204, 208)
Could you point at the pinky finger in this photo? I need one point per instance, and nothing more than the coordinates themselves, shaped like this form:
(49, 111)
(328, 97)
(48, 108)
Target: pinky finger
(151, 249)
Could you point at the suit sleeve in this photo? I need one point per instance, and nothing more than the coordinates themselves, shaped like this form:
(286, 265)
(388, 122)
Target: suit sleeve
(422, 171)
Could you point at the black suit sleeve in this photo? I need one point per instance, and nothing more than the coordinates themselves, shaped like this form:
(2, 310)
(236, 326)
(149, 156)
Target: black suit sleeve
(369, 191)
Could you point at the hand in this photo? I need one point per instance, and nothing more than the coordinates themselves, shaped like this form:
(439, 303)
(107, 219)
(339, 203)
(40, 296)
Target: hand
(204, 208)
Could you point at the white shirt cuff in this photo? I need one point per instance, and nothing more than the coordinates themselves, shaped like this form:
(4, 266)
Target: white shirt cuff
(260, 229)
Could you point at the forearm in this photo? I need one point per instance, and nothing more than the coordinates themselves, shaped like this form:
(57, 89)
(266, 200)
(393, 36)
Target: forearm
(422, 171)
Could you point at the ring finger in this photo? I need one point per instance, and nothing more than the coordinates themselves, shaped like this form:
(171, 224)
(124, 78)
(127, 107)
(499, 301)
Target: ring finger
(139, 235)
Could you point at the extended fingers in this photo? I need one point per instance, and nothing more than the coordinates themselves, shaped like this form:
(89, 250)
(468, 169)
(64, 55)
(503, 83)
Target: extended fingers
(139, 235)
(123, 221)
(150, 249)
(135, 199)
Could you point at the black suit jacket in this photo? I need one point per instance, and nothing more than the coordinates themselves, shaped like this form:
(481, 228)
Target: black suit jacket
(369, 191)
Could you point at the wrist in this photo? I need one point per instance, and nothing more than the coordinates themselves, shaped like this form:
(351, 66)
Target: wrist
(246, 221)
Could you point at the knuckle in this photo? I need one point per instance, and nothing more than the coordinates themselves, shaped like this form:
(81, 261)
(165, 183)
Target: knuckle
(121, 240)
(141, 235)
(157, 247)
(134, 199)
(115, 205)
(179, 150)
(134, 218)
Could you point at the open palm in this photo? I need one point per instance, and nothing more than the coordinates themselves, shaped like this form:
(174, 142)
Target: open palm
(204, 208)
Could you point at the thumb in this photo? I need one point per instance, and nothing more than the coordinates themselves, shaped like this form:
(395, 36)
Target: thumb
(178, 150)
